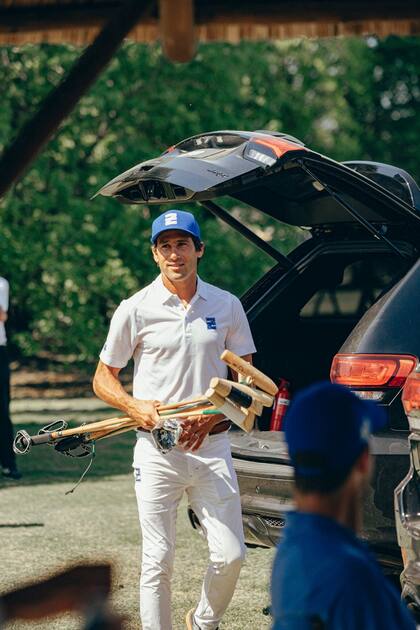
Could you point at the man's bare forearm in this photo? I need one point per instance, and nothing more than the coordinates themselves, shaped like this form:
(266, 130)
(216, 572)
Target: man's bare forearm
(108, 387)
(3, 315)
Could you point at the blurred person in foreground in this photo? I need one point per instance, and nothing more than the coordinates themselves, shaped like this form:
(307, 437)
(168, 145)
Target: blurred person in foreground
(83, 589)
(7, 456)
(323, 575)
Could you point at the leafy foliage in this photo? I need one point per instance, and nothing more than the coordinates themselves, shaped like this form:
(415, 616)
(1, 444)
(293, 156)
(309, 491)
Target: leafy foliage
(70, 259)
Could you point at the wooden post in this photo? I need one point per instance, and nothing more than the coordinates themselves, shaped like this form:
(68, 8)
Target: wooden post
(176, 19)
(61, 101)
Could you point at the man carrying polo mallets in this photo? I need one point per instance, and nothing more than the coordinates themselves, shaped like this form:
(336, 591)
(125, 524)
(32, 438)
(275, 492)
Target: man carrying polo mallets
(176, 329)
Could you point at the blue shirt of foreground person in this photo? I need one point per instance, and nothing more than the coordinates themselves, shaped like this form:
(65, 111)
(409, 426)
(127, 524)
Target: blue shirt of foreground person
(324, 577)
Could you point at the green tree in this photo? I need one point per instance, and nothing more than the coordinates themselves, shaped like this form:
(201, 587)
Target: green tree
(71, 259)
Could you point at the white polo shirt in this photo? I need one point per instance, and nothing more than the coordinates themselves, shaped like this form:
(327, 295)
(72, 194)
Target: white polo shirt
(176, 350)
(4, 304)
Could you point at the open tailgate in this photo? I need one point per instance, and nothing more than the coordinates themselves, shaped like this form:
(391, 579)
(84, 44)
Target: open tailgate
(273, 173)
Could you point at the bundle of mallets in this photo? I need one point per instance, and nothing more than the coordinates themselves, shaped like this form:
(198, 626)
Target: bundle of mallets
(242, 401)
(239, 401)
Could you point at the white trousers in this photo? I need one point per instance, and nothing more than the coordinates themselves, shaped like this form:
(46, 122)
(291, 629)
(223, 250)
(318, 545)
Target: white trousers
(209, 479)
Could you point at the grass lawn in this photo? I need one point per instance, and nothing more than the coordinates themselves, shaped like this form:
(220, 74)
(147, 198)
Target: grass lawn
(43, 530)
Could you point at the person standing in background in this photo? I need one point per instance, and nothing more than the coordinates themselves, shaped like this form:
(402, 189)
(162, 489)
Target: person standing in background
(7, 456)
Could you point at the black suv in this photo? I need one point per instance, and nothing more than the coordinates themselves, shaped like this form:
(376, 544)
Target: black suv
(345, 302)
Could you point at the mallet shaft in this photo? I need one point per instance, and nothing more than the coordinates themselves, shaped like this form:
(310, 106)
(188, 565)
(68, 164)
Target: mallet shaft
(204, 411)
(182, 403)
(110, 423)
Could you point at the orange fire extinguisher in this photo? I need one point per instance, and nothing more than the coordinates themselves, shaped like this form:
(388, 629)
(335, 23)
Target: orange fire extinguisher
(281, 403)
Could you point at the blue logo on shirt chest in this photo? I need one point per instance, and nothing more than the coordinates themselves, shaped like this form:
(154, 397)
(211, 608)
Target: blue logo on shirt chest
(211, 323)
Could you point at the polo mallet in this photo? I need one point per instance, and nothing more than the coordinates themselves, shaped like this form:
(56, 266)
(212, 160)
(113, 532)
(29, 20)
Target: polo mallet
(80, 441)
(66, 440)
(250, 374)
(241, 401)
(237, 401)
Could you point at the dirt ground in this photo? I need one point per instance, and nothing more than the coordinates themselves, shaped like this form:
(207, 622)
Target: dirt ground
(43, 530)
(35, 383)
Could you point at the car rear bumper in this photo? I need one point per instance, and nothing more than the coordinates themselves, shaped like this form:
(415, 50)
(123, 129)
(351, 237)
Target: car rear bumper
(266, 497)
(266, 489)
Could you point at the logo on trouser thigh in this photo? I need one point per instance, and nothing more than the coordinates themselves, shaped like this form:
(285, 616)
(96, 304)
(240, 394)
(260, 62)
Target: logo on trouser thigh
(137, 474)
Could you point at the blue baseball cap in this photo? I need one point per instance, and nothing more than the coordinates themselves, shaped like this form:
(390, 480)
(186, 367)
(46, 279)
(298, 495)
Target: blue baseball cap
(327, 427)
(175, 220)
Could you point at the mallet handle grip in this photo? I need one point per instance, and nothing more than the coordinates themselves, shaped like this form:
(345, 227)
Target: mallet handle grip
(42, 438)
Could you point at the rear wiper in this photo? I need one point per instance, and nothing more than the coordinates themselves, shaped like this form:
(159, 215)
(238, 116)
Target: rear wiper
(371, 228)
(284, 262)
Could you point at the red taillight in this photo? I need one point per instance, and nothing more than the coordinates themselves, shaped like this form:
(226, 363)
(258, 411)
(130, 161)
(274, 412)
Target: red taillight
(411, 392)
(278, 145)
(371, 370)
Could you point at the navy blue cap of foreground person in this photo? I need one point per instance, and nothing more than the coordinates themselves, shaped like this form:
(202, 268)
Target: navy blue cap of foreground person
(175, 220)
(327, 427)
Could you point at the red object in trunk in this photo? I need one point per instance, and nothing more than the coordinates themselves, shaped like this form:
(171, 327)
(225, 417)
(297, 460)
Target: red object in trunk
(281, 403)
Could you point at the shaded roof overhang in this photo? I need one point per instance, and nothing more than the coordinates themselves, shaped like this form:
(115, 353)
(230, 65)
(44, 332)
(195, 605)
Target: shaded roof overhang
(78, 21)
(179, 25)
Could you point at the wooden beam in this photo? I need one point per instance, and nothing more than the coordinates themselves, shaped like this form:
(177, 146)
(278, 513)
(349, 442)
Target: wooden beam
(176, 21)
(38, 18)
(33, 18)
(61, 101)
(45, 17)
(300, 11)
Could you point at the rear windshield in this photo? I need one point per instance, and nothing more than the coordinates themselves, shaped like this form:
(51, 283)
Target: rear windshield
(351, 289)
(302, 324)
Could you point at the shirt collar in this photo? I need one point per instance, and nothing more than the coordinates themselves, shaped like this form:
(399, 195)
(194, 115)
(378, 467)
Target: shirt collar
(163, 295)
(202, 290)
(299, 522)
